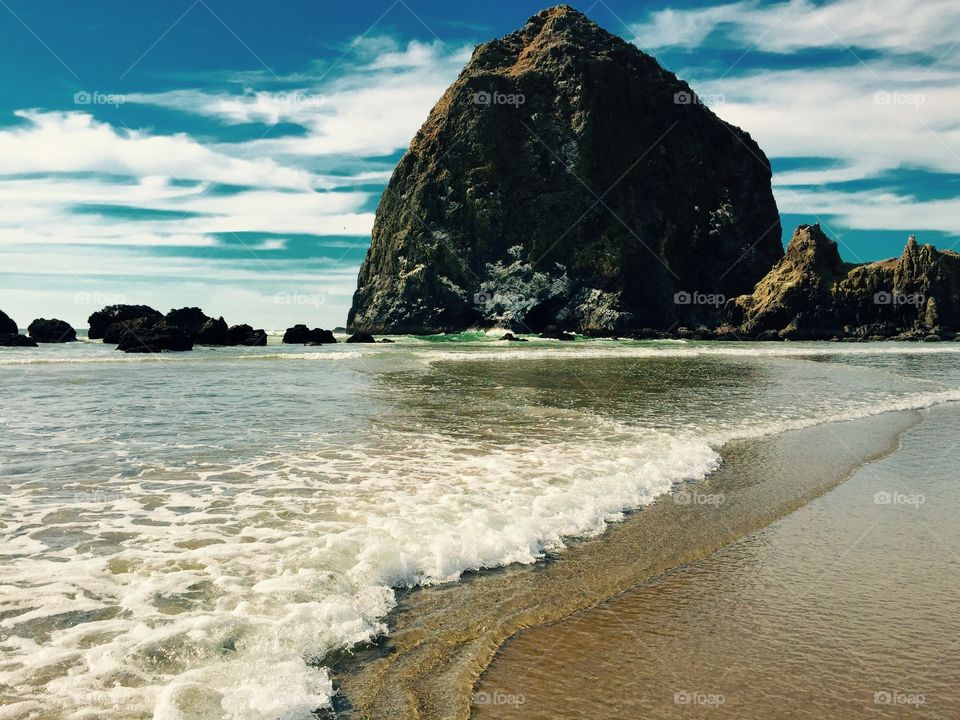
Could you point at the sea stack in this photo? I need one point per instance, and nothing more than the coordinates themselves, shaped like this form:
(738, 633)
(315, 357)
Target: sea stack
(567, 180)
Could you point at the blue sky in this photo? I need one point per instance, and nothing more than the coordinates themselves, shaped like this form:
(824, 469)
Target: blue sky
(230, 154)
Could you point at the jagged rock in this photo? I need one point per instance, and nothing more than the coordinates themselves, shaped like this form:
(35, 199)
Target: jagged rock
(52, 331)
(16, 340)
(567, 179)
(7, 325)
(812, 295)
(148, 336)
(510, 337)
(302, 335)
(246, 335)
(361, 337)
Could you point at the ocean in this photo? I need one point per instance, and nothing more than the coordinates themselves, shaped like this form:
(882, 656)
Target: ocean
(196, 535)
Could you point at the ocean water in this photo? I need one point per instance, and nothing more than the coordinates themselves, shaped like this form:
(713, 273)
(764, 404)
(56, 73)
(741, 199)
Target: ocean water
(190, 536)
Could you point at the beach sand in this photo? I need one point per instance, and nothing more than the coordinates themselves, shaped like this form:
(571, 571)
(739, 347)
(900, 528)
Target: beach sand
(845, 608)
(443, 638)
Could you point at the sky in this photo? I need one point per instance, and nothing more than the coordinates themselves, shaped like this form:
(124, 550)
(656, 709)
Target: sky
(230, 154)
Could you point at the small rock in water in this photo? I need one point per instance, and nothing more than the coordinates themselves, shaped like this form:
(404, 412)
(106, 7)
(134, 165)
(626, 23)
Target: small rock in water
(510, 337)
(52, 331)
(16, 340)
(302, 335)
(158, 337)
(361, 337)
(553, 333)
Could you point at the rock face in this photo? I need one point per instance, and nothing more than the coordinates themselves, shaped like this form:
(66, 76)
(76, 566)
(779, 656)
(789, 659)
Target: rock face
(144, 336)
(567, 179)
(100, 321)
(302, 335)
(52, 331)
(7, 325)
(811, 294)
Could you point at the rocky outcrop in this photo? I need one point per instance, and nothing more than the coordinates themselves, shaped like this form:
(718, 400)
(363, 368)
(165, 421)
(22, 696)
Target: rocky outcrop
(116, 322)
(7, 325)
(147, 336)
(100, 322)
(246, 335)
(52, 331)
(567, 179)
(811, 294)
(302, 335)
(16, 340)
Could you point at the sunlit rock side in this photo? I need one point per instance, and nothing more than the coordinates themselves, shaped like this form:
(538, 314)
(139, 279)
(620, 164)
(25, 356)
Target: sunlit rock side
(812, 294)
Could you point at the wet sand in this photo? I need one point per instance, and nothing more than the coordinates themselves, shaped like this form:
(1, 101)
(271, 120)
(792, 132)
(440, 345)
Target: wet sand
(845, 608)
(443, 638)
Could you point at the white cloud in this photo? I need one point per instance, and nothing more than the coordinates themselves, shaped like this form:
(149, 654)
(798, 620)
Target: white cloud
(64, 142)
(372, 107)
(899, 26)
(867, 120)
(44, 211)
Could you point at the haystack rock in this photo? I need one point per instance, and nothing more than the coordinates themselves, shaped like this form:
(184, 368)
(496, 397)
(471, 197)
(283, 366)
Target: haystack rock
(566, 179)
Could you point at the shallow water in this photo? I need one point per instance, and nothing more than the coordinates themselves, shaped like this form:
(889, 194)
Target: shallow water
(191, 535)
(845, 608)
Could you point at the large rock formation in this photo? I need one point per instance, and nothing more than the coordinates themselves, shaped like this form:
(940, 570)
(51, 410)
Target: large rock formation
(566, 179)
(52, 331)
(811, 294)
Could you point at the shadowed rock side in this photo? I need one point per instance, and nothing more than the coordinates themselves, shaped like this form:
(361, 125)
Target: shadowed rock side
(566, 179)
(811, 294)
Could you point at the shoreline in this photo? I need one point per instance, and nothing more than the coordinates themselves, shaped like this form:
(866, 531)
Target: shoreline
(442, 638)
